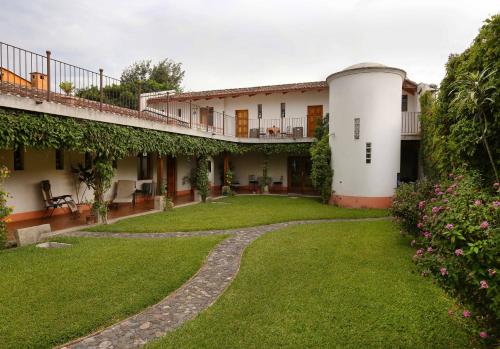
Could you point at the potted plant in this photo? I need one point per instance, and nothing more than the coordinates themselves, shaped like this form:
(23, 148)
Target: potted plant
(228, 179)
(160, 198)
(265, 181)
(68, 88)
(82, 176)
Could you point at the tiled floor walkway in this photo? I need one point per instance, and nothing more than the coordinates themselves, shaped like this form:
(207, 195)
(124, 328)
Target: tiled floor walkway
(197, 294)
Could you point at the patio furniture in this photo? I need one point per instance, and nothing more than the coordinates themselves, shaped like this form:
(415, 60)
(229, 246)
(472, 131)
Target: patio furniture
(298, 132)
(125, 192)
(252, 180)
(254, 133)
(235, 183)
(53, 202)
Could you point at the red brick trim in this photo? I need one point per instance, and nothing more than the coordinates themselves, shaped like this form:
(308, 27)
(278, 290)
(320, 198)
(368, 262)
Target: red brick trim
(360, 201)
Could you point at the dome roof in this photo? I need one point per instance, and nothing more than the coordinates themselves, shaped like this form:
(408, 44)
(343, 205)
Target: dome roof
(365, 65)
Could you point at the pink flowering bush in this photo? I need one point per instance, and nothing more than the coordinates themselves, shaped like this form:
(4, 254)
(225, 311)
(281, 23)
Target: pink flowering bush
(456, 228)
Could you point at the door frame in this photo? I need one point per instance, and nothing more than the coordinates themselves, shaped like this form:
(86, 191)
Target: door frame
(237, 119)
(171, 173)
(310, 131)
(302, 189)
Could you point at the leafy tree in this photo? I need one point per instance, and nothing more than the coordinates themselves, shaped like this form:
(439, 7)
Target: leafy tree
(166, 75)
(462, 126)
(321, 170)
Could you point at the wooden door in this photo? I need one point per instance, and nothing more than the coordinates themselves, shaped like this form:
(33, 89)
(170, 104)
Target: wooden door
(299, 175)
(242, 123)
(171, 176)
(207, 116)
(314, 116)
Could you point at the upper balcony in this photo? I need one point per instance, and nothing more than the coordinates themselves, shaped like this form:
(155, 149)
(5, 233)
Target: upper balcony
(88, 94)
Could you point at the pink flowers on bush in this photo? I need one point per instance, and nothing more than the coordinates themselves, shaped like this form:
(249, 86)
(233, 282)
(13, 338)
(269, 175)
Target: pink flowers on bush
(483, 334)
(429, 249)
(492, 272)
(483, 284)
(421, 205)
(477, 203)
(443, 271)
(496, 204)
(419, 252)
(426, 235)
(484, 225)
(459, 252)
(466, 313)
(436, 209)
(420, 225)
(449, 226)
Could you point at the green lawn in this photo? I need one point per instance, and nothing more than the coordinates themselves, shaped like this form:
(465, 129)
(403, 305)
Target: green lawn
(236, 212)
(332, 285)
(48, 297)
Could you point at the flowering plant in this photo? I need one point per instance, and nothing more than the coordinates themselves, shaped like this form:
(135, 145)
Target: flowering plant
(456, 226)
(5, 210)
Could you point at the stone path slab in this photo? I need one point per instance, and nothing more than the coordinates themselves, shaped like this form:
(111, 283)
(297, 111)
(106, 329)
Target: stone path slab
(197, 294)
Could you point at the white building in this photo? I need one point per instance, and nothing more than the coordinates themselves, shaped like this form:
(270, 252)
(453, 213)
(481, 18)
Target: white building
(374, 134)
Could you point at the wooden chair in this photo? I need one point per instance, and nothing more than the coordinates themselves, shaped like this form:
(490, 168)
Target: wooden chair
(53, 202)
(125, 192)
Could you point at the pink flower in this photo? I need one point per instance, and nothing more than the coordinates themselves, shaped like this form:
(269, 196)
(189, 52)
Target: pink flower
(459, 252)
(483, 334)
(496, 185)
(421, 204)
(427, 235)
(449, 226)
(443, 271)
(496, 204)
(419, 252)
(492, 272)
(435, 209)
(484, 225)
(420, 225)
(477, 203)
(429, 249)
(424, 217)
(433, 199)
(466, 313)
(445, 201)
(483, 283)
(413, 242)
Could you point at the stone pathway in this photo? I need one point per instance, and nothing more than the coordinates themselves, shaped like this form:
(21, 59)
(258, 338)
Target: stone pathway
(201, 291)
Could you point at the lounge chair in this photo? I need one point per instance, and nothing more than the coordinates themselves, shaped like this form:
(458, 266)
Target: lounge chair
(53, 202)
(125, 192)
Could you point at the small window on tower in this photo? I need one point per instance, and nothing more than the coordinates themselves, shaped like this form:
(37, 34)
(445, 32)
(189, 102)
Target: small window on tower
(369, 153)
(356, 128)
(404, 103)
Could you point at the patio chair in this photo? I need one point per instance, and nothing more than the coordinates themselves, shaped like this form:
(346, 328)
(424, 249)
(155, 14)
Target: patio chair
(125, 192)
(53, 202)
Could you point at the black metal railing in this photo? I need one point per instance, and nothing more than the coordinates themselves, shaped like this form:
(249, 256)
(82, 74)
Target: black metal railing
(291, 127)
(410, 123)
(41, 77)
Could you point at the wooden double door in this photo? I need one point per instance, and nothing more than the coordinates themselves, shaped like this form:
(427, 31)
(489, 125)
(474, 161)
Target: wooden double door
(314, 117)
(299, 175)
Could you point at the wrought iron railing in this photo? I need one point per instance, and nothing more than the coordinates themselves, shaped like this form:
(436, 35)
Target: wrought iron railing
(410, 123)
(41, 77)
(286, 127)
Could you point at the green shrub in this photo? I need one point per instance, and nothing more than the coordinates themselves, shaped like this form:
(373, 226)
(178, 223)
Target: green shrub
(5, 210)
(201, 177)
(405, 204)
(321, 170)
(458, 242)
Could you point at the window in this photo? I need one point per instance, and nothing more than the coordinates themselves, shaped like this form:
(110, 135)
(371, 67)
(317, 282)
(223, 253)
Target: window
(179, 113)
(368, 153)
(356, 128)
(283, 106)
(259, 111)
(209, 166)
(404, 103)
(59, 159)
(144, 166)
(19, 158)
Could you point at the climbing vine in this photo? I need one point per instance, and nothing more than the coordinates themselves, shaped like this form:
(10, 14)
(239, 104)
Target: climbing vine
(4, 209)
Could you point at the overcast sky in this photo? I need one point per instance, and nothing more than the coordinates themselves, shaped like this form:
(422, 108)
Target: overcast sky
(237, 43)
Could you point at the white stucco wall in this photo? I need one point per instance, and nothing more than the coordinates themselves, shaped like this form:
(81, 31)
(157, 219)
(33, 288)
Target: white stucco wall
(252, 164)
(375, 98)
(24, 186)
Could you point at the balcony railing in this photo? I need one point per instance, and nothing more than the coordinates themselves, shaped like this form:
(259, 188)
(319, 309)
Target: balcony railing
(410, 125)
(286, 127)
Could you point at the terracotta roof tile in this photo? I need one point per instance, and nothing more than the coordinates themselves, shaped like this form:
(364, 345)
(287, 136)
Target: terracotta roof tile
(303, 86)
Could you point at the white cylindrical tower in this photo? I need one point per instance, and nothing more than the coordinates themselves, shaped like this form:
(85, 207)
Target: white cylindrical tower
(365, 134)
